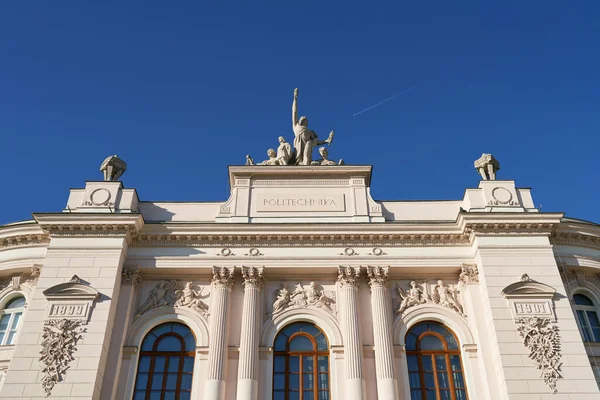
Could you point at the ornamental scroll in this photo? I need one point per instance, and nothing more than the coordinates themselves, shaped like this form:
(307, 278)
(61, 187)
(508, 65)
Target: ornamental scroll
(68, 311)
(532, 307)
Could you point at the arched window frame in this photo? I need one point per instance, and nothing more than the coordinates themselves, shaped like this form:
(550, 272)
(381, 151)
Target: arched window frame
(15, 318)
(153, 355)
(446, 352)
(588, 317)
(317, 391)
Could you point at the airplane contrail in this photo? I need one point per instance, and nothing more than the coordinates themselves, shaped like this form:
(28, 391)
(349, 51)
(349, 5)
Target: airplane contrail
(384, 101)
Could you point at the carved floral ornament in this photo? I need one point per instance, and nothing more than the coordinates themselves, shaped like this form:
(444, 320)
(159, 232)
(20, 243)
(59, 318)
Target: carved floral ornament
(378, 275)
(131, 275)
(532, 307)
(312, 296)
(469, 274)
(174, 293)
(252, 276)
(542, 339)
(67, 313)
(422, 292)
(15, 282)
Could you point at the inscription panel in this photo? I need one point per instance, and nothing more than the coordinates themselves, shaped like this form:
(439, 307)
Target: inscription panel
(529, 308)
(300, 203)
(60, 309)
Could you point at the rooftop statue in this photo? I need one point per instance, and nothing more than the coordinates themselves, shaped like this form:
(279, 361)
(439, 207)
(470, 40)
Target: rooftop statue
(304, 138)
(324, 160)
(487, 166)
(113, 167)
(305, 141)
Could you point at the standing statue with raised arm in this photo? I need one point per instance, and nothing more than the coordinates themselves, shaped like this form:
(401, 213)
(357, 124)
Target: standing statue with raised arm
(304, 138)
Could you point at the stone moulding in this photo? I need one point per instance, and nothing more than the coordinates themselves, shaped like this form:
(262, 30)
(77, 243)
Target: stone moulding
(304, 240)
(18, 241)
(579, 239)
(59, 343)
(510, 229)
(542, 339)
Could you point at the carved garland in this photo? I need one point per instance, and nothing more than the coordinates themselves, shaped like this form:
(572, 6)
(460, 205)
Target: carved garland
(542, 339)
(60, 337)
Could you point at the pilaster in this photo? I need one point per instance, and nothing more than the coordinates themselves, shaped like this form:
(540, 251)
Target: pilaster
(247, 385)
(348, 278)
(222, 282)
(387, 385)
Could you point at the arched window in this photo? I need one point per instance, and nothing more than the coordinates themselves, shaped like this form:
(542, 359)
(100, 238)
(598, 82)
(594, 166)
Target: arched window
(301, 363)
(434, 367)
(166, 364)
(10, 317)
(589, 324)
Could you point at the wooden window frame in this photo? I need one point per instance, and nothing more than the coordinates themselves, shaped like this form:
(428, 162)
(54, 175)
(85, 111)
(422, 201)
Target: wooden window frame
(154, 353)
(432, 354)
(316, 353)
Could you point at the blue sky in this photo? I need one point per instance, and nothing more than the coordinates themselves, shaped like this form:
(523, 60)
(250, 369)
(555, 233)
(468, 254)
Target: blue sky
(182, 89)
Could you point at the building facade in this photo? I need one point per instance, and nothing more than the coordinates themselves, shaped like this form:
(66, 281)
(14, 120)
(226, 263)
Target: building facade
(300, 286)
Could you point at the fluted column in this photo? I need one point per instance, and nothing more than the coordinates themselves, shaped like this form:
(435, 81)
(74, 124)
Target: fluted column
(355, 385)
(381, 310)
(247, 386)
(222, 282)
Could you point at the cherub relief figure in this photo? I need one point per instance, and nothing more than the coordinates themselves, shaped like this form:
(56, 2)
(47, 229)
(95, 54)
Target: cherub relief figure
(446, 297)
(190, 298)
(159, 296)
(283, 299)
(413, 297)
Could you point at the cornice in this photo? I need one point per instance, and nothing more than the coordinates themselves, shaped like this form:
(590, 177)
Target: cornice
(90, 224)
(509, 223)
(302, 240)
(20, 241)
(575, 239)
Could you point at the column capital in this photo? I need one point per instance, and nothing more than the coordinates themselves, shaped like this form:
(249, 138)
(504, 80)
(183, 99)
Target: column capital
(469, 274)
(348, 275)
(378, 275)
(223, 277)
(131, 275)
(253, 277)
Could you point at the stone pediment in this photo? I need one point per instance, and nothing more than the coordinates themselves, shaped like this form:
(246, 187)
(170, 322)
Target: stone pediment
(528, 298)
(70, 300)
(528, 289)
(71, 289)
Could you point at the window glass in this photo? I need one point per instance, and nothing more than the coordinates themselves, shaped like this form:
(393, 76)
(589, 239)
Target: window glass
(587, 318)
(10, 318)
(434, 366)
(301, 363)
(582, 300)
(165, 366)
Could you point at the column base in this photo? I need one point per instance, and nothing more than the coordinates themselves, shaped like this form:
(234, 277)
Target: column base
(214, 390)
(355, 389)
(247, 389)
(387, 389)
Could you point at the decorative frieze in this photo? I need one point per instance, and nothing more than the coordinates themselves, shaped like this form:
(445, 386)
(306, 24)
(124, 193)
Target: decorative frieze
(18, 241)
(423, 293)
(303, 240)
(469, 274)
(59, 343)
(223, 277)
(301, 297)
(542, 339)
(348, 276)
(97, 230)
(173, 293)
(509, 229)
(578, 239)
